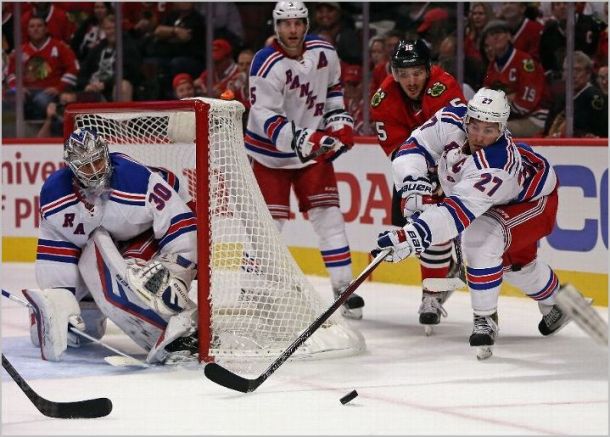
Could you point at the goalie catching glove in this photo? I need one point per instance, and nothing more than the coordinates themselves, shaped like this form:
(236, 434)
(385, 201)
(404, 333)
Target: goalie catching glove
(314, 145)
(404, 243)
(159, 288)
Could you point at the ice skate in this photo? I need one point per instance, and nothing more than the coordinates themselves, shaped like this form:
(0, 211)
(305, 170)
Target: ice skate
(553, 319)
(183, 349)
(431, 309)
(352, 308)
(484, 334)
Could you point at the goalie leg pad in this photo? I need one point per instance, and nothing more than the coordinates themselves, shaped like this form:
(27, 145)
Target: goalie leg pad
(55, 311)
(104, 271)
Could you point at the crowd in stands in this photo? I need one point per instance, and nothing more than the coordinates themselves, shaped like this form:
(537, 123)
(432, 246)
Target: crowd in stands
(69, 52)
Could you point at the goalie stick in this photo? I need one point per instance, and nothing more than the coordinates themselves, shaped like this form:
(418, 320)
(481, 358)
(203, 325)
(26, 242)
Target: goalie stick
(87, 409)
(123, 360)
(218, 374)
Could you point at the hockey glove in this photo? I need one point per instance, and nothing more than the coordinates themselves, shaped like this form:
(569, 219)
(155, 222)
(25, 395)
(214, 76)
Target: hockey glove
(405, 242)
(314, 145)
(340, 125)
(417, 194)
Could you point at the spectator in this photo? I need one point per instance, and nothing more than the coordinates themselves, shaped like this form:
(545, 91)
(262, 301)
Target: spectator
(89, 34)
(141, 19)
(435, 27)
(590, 104)
(239, 83)
(59, 25)
(525, 32)
(178, 45)
(244, 59)
(478, 16)
(183, 86)
(53, 125)
(225, 69)
(335, 27)
(49, 67)
(98, 70)
(227, 21)
(377, 54)
(381, 71)
(351, 76)
(8, 22)
(602, 80)
(517, 74)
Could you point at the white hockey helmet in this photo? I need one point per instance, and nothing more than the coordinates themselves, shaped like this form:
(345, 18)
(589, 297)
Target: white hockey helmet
(83, 152)
(489, 105)
(285, 10)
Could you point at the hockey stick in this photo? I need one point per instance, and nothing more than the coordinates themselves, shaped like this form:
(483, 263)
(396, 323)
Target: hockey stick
(579, 309)
(218, 374)
(127, 360)
(451, 283)
(86, 409)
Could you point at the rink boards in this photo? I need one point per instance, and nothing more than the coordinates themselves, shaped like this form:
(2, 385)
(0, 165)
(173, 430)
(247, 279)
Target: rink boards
(577, 248)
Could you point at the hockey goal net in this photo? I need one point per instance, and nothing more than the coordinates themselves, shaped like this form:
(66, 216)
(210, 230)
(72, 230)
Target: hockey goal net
(253, 298)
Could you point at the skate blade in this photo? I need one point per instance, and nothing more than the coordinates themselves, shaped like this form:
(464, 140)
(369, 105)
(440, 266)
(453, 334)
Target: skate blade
(484, 352)
(428, 330)
(354, 313)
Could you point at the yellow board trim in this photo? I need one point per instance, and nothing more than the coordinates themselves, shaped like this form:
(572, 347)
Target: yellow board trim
(595, 285)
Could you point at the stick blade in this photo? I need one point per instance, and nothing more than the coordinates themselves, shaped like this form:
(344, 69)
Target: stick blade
(88, 409)
(443, 284)
(228, 379)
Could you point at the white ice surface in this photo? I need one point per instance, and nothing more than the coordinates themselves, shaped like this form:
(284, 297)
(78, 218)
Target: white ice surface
(408, 384)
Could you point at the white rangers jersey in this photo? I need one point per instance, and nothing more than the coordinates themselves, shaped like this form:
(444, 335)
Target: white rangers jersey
(500, 174)
(288, 94)
(136, 200)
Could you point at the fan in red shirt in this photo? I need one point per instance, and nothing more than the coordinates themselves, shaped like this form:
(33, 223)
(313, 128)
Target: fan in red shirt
(405, 100)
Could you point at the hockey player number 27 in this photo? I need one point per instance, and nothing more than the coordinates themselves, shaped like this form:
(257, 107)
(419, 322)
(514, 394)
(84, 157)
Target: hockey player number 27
(487, 178)
(160, 195)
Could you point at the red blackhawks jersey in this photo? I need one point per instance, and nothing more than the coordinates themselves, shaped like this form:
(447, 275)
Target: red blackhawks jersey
(527, 38)
(396, 116)
(51, 65)
(518, 74)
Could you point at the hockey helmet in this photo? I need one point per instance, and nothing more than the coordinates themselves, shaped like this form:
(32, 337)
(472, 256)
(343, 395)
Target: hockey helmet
(489, 105)
(285, 10)
(410, 54)
(87, 155)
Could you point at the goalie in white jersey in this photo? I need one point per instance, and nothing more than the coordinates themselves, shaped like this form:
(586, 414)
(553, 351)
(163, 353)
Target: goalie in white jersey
(296, 126)
(117, 241)
(501, 196)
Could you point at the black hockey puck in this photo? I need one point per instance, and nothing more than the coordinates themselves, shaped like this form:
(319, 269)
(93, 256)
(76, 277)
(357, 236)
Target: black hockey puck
(348, 397)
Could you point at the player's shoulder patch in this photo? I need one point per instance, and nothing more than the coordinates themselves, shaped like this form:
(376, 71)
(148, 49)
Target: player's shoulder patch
(378, 98)
(597, 102)
(528, 65)
(436, 89)
(128, 174)
(265, 57)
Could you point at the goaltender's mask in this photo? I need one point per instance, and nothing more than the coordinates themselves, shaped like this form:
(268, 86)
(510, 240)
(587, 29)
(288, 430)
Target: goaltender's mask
(87, 155)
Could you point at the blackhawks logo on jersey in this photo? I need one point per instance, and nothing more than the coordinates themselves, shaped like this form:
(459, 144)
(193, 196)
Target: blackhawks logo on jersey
(377, 98)
(437, 89)
(597, 103)
(528, 65)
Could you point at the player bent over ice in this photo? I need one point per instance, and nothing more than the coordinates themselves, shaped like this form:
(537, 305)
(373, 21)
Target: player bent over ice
(500, 195)
(116, 241)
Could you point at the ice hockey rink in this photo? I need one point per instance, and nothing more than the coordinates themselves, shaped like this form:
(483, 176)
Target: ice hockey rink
(408, 384)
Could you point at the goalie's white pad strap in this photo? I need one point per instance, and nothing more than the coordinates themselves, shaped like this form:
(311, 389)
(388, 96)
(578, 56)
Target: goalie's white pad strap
(55, 310)
(104, 271)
